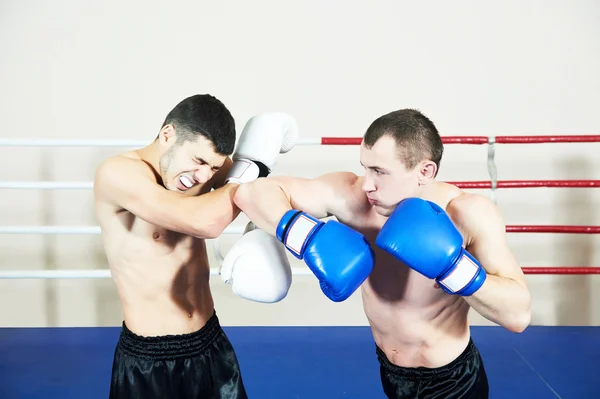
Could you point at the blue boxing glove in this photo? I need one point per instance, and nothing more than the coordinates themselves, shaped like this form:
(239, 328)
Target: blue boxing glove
(421, 235)
(340, 257)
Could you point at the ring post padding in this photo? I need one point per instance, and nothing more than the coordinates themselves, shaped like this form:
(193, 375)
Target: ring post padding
(491, 166)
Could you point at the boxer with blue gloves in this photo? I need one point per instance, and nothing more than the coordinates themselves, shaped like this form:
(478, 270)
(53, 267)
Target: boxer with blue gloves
(421, 235)
(340, 257)
(423, 253)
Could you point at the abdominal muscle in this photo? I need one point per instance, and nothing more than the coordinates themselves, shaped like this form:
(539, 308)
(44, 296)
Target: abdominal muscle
(163, 286)
(413, 323)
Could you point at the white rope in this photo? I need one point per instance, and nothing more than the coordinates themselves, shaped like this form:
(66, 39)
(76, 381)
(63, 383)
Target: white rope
(77, 230)
(47, 185)
(16, 142)
(95, 274)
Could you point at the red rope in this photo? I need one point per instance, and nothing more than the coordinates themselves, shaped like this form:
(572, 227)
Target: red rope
(527, 183)
(547, 139)
(554, 229)
(465, 140)
(561, 270)
(341, 140)
(482, 139)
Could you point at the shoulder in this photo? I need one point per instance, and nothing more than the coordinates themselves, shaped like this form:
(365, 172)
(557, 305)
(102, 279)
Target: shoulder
(345, 186)
(122, 169)
(474, 215)
(467, 205)
(342, 180)
(348, 198)
(122, 165)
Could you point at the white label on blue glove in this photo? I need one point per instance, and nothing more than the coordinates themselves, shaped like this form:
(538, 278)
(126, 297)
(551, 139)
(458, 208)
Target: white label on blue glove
(298, 233)
(462, 275)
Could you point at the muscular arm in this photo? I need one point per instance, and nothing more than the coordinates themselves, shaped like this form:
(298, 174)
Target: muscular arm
(130, 184)
(265, 201)
(504, 298)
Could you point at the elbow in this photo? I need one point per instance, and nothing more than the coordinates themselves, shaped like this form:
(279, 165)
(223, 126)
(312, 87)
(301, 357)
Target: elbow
(215, 225)
(245, 196)
(521, 319)
(520, 322)
(214, 229)
(210, 233)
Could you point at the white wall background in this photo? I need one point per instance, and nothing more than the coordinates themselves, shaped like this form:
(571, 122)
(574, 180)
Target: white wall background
(113, 69)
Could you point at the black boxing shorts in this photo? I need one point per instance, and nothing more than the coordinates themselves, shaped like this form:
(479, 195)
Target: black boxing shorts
(463, 378)
(201, 364)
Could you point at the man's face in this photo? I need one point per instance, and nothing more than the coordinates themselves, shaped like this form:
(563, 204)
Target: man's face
(386, 181)
(187, 165)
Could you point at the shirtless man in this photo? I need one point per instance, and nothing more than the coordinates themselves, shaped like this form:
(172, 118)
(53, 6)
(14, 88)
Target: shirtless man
(156, 206)
(424, 281)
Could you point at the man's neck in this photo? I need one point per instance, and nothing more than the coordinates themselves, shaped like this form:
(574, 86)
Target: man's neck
(150, 155)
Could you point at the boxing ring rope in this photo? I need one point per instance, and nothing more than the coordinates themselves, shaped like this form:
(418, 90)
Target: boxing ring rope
(95, 230)
(492, 184)
(296, 271)
(86, 185)
(21, 142)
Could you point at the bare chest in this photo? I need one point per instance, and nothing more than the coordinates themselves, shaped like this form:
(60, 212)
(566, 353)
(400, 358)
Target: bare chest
(391, 282)
(135, 238)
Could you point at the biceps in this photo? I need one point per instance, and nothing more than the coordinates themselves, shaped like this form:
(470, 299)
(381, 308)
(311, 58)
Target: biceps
(203, 217)
(161, 211)
(310, 196)
(497, 259)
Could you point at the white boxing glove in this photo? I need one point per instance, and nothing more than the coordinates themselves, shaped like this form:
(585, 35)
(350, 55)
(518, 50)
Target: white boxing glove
(257, 267)
(264, 137)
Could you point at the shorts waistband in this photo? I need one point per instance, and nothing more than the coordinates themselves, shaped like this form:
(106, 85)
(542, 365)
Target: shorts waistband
(168, 347)
(425, 372)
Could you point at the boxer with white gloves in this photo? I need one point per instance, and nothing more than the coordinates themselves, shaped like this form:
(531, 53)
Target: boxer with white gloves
(257, 267)
(439, 252)
(156, 206)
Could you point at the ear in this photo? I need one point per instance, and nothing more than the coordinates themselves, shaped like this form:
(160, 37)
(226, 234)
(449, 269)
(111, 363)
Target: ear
(167, 136)
(426, 171)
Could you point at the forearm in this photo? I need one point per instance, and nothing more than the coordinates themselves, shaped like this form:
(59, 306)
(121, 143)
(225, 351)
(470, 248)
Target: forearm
(264, 202)
(213, 212)
(504, 301)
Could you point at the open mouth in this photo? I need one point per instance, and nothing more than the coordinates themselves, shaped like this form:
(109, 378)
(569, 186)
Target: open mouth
(186, 182)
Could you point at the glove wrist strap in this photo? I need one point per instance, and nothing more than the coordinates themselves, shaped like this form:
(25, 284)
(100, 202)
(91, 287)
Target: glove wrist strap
(465, 278)
(245, 171)
(295, 230)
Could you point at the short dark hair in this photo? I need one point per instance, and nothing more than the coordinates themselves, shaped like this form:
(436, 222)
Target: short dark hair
(414, 134)
(205, 115)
